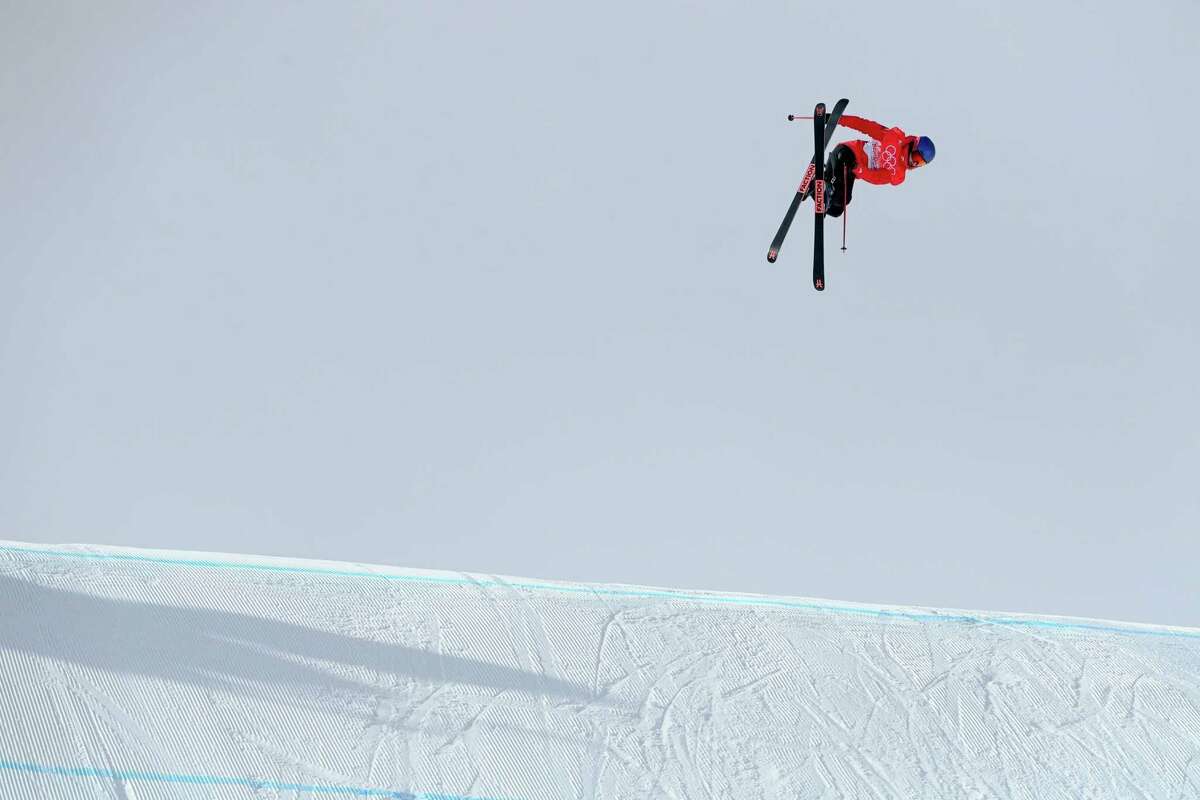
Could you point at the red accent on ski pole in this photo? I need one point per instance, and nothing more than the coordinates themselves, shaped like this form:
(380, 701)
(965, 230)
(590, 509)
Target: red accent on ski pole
(845, 208)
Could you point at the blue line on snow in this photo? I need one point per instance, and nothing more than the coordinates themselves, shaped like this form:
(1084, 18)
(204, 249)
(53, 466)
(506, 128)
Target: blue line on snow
(218, 780)
(666, 594)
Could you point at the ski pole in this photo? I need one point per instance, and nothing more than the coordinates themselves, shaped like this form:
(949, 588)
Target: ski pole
(793, 117)
(845, 208)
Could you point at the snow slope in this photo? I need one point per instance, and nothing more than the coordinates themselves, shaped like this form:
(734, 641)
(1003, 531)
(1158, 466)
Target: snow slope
(149, 674)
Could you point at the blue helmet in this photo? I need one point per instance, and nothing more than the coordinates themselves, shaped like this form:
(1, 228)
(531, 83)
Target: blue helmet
(923, 147)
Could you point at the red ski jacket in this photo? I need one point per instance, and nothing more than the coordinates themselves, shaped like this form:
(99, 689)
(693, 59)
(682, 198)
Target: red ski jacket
(884, 159)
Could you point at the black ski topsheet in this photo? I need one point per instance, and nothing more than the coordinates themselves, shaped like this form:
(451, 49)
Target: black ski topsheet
(831, 120)
(819, 197)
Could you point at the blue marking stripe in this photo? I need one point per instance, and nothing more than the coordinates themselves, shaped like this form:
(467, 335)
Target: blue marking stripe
(600, 591)
(218, 780)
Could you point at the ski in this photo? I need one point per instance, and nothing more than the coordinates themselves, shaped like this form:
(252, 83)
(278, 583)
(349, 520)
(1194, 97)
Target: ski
(806, 184)
(819, 197)
(831, 123)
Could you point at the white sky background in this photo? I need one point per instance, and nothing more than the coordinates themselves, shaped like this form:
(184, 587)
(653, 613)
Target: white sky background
(483, 286)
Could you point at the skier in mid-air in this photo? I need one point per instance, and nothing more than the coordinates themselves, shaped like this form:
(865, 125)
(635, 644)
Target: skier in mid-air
(884, 159)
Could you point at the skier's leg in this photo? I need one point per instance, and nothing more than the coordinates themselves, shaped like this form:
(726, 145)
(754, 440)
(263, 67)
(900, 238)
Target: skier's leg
(841, 171)
(833, 172)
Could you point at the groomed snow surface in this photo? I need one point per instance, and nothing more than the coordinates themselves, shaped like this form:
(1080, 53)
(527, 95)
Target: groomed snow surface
(148, 674)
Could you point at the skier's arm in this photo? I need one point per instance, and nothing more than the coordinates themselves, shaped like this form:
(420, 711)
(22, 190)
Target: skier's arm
(869, 127)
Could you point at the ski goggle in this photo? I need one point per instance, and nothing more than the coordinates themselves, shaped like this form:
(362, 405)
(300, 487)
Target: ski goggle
(915, 158)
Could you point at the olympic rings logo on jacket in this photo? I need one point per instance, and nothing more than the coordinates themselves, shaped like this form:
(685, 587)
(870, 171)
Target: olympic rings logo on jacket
(879, 161)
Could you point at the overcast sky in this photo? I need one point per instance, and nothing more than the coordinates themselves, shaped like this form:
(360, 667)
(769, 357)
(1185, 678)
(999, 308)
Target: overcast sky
(482, 286)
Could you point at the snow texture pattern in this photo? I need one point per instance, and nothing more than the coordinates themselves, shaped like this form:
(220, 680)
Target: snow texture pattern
(146, 674)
